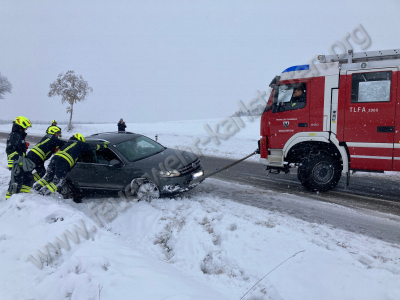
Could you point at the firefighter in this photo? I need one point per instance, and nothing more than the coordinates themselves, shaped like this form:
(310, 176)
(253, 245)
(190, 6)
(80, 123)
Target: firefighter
(42, 151)
(298, 99)
(62, 162)
(53, 123)
(21, 176)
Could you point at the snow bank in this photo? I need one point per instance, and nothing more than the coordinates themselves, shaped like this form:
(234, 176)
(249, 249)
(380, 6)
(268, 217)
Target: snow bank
(196, 247)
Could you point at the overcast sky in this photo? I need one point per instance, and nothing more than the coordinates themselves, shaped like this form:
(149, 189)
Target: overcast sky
(153, 61)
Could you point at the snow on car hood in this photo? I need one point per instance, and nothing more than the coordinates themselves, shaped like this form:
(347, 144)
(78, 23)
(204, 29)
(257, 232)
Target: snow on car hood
(167, 158)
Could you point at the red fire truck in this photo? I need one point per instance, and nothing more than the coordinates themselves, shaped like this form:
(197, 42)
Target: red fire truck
(339, 115)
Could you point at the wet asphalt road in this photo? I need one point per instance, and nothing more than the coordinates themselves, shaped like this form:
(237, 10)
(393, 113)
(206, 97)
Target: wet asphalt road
(371, 199)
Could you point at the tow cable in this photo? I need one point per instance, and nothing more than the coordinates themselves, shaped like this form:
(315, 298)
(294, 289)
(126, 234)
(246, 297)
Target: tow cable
(201, 178)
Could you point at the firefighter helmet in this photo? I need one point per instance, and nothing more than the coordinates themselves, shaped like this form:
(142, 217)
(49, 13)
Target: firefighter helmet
(54, 121)
(54, 129)
(79, 137)
(23, 122)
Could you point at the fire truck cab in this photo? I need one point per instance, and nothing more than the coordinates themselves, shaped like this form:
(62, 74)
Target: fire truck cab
(335, 116)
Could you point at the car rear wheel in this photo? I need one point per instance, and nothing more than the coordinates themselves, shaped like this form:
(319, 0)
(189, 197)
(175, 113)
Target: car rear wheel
(319, 172)
(68, 191)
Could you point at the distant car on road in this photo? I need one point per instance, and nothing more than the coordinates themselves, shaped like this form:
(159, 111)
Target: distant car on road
(134, 164)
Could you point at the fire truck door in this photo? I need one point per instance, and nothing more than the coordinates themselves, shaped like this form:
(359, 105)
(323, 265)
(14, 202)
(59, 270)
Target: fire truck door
(290, 114)
(370, 118)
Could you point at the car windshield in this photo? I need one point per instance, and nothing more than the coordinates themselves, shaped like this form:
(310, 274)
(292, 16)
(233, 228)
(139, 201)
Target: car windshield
(139, 148)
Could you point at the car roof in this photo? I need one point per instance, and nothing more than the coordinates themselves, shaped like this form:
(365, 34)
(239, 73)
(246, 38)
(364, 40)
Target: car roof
(112, 137)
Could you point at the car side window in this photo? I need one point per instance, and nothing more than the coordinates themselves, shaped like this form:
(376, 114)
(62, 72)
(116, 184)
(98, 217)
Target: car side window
(371, 87)
(290, 97)
(87, 157)
(105, 156)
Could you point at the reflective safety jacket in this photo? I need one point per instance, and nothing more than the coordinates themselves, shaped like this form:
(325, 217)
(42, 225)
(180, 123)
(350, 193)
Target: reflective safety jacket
(47, 146)
(16, 145)
(74, 148)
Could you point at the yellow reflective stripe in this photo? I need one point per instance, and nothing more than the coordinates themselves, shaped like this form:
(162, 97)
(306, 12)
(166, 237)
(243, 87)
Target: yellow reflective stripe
(69, 147)
(43, 182)
(39, 150)
(38, 153)
(44, 142)
(52, 187)
(26, 189)
(12, 154)
(67, 157)
(36, 176)
(10, 163)
(98, 147)
(8, 195)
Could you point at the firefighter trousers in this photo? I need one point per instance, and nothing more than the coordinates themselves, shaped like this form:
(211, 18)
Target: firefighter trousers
(40, 172)
(22, 183)
(54, 178)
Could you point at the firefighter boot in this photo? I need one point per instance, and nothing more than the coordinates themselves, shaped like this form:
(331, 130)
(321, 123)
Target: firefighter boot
(25, 189)
(40, 184)
(36, 177)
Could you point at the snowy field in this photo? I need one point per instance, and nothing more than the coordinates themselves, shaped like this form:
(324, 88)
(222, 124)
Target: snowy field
(199, 246)
(177, 134)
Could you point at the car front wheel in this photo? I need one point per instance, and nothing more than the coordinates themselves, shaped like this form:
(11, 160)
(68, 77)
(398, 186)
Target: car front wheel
(68, 191)
(147, 190)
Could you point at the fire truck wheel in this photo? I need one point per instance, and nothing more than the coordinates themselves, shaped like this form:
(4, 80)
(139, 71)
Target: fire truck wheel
(319, 172)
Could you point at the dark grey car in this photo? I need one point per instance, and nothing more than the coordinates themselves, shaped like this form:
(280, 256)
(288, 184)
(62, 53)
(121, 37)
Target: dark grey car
(134, 164)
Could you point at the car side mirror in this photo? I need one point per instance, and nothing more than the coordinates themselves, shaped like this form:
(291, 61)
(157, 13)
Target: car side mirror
(115, 163)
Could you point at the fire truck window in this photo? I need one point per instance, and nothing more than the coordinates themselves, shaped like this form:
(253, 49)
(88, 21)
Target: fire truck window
(371, 87)
(290, 97)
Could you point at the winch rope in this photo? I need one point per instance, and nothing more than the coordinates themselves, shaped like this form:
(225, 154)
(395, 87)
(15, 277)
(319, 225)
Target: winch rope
(223, 168)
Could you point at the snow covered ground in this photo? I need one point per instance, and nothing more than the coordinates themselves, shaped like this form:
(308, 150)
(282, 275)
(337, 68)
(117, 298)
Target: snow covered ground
(200, 246)
(177, 134)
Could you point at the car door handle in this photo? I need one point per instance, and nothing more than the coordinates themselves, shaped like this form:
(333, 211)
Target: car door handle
(95, 171)
(385, 128)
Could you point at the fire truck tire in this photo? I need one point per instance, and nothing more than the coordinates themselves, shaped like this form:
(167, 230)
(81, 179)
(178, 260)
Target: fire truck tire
(319, 172)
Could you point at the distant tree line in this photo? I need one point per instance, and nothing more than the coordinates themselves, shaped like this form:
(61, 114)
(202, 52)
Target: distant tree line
(257, 111)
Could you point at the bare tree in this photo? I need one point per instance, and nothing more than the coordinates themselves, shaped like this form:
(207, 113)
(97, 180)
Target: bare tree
(5, 86)
(72, 88)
